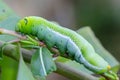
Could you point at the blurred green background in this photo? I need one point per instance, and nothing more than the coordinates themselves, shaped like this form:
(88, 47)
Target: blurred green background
(103, 16)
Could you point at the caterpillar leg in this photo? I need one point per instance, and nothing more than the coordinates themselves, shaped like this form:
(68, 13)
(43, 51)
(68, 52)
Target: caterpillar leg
(110, 75)
(56, 52)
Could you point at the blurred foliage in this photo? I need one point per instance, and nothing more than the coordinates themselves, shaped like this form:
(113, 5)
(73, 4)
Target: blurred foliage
(87, 33)
(7, 20)
(100, 15)
(9, 69)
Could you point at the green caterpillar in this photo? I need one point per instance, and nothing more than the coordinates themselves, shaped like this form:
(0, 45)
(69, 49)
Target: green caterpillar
(66, 40)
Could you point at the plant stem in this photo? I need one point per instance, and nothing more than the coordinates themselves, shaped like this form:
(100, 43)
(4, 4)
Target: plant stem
(72, 73)
(10, 51)
(9, 32)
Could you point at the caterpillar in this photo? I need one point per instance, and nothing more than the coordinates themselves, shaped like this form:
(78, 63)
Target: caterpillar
(66, 40)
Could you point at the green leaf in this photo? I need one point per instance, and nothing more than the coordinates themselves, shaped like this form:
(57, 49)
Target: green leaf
(8, 20)
(88, 34)
(9, 69)
(5, 11)
(42, 62)
(24, 72)
(9, 66)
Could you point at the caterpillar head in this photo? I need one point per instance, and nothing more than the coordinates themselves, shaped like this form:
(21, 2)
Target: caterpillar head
(23, 25)
(26, 24)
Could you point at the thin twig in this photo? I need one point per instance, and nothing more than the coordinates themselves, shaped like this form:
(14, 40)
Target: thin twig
(9, 32)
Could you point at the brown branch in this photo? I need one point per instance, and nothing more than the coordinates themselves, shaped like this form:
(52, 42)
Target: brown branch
(9, 32)
(10, 51)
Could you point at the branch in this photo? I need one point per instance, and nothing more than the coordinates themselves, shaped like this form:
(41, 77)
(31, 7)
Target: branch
(10, 51)
(73, 74)
(12, 33)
